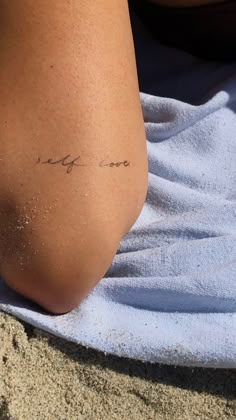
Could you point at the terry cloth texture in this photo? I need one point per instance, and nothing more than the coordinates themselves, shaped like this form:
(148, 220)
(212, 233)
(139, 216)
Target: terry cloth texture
(169, 295)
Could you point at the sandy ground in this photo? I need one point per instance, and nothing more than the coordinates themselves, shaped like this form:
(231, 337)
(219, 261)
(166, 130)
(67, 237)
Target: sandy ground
(43, 377)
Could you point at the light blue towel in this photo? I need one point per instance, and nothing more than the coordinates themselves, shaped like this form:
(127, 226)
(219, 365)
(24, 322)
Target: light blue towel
(170, 293)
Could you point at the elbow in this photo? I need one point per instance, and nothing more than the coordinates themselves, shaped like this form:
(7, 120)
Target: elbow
(59, 284)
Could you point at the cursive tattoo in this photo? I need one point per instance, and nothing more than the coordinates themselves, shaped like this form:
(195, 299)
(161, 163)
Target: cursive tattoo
(69, 165)
(66, 161)
(112, 164)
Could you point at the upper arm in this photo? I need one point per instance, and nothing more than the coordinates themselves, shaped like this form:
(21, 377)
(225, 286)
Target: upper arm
(68, 87)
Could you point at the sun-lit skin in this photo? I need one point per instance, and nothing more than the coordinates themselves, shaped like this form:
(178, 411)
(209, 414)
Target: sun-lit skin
(73, 155)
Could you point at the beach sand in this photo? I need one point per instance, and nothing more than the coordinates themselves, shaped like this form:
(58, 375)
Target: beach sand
(43, 377)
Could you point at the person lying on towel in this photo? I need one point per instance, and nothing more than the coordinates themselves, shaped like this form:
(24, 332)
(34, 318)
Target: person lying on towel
(73, 155)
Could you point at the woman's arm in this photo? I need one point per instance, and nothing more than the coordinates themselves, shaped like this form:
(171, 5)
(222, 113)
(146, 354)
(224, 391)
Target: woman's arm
(73, 158)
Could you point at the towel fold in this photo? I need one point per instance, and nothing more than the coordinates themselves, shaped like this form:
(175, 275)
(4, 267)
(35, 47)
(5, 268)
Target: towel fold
(169, 295)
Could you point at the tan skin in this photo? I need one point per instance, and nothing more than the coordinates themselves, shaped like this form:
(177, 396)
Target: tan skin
(73, 157)
(69, 88)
